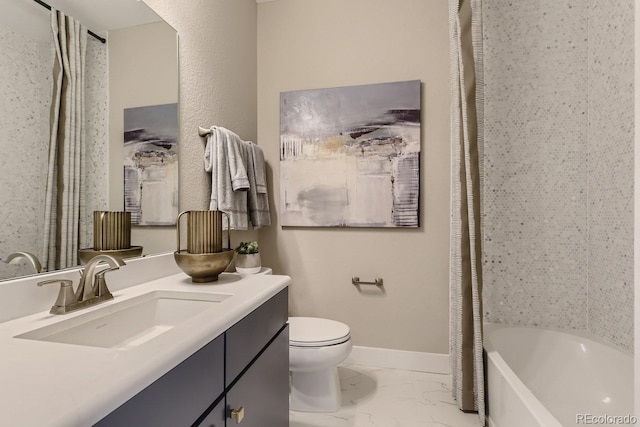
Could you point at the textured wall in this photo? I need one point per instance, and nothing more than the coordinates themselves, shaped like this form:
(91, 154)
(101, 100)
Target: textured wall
(25, 85)
(558, 164)
(217, 65)
(330, 43)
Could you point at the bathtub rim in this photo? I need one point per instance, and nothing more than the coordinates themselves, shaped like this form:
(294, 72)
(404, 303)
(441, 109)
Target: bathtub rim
(537, 410)
(572, 333)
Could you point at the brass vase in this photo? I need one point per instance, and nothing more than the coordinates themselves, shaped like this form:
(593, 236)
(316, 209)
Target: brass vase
(111, 236)
(205, 258)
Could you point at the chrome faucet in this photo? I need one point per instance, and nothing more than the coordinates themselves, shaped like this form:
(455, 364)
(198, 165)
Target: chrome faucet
(31, 258)
(91, 290)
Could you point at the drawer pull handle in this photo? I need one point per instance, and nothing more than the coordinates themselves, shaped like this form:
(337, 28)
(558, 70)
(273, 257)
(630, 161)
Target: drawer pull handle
(237, 414)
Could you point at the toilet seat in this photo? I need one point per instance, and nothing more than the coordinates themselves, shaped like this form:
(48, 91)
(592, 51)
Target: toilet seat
(316, 332)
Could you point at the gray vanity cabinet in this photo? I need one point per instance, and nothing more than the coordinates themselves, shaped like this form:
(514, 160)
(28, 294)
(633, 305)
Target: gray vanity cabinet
(179, 396)
(263, 390)
(217, 417)
(257, 366)
(247, 338)
(246, 369)
(261, 393)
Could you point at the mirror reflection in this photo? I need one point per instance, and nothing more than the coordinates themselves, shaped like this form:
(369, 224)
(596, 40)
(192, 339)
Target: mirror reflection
(136, 67)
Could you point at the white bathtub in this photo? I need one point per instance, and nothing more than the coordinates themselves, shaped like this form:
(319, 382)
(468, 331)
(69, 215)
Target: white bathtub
(548, 378)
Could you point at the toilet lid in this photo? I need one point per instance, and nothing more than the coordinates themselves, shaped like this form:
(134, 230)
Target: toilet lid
(316, 332)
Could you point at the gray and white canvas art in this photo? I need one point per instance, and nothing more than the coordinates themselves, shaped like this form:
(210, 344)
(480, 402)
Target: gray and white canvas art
(350, 156)
(151, 164)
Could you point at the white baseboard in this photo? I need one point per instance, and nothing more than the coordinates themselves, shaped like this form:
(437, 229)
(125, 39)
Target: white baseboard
(399, 359)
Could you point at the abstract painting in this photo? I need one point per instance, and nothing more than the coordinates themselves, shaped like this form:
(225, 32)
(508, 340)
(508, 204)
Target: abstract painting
(350, 156)
(151, 164)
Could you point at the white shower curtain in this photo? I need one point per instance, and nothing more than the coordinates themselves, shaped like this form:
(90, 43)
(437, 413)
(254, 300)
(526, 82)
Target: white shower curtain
(65, 196)
(467, 367)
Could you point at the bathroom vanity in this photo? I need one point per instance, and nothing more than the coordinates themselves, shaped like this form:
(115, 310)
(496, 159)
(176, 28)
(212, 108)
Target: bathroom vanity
(242, 376)
(209, 355)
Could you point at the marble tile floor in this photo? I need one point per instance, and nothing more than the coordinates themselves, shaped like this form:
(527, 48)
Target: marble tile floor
(381, 397)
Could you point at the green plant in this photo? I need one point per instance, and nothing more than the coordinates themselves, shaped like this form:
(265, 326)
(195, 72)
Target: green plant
(248, 248)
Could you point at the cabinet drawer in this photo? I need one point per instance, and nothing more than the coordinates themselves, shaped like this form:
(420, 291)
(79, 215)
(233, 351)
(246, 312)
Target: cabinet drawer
(178, 397)
(263, 390)
(250, 335)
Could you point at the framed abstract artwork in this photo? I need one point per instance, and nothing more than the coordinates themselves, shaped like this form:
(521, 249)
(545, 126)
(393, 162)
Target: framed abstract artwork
(350, 156)
(151, 164)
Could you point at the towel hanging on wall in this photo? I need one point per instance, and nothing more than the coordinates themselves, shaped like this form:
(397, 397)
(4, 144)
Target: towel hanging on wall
(238, 179)
(257, 199)
(229, 180)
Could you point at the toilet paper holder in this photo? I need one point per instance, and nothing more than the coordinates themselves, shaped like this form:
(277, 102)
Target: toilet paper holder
(356, 281)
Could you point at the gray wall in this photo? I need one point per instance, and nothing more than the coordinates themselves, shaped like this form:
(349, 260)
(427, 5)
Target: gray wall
(217, 66)
(330, 43)
(154, 45)
(559, 165)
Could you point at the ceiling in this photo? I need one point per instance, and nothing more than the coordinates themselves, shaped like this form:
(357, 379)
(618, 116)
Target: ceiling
(99, 16)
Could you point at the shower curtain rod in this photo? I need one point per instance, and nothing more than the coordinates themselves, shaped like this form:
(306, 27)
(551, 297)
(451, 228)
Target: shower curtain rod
(91, 33)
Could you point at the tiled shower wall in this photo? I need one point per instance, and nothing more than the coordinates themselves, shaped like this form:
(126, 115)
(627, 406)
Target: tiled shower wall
(558, 159)
(25, 85)
(97, 137)
(24, 127)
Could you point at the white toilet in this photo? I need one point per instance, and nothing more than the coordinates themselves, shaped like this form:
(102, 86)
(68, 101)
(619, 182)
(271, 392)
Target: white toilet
(316, 347)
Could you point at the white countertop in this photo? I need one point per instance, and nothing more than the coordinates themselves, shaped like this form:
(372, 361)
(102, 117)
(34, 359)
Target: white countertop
(48, 384)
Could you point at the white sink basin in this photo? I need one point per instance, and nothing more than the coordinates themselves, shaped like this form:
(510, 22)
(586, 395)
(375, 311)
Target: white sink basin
(129, 323)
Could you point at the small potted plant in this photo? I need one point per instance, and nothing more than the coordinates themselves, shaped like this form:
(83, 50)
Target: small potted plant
(248, 258)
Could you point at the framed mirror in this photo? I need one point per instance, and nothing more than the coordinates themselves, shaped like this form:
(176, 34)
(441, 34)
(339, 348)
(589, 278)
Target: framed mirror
(136, 67)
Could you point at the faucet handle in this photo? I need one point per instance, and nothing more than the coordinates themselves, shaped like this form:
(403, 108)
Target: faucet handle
(100, 288)
(66, 297)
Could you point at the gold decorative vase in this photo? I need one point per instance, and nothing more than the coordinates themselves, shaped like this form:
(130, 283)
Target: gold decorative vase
(111, 230)
(111, 236)
(204, 259)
